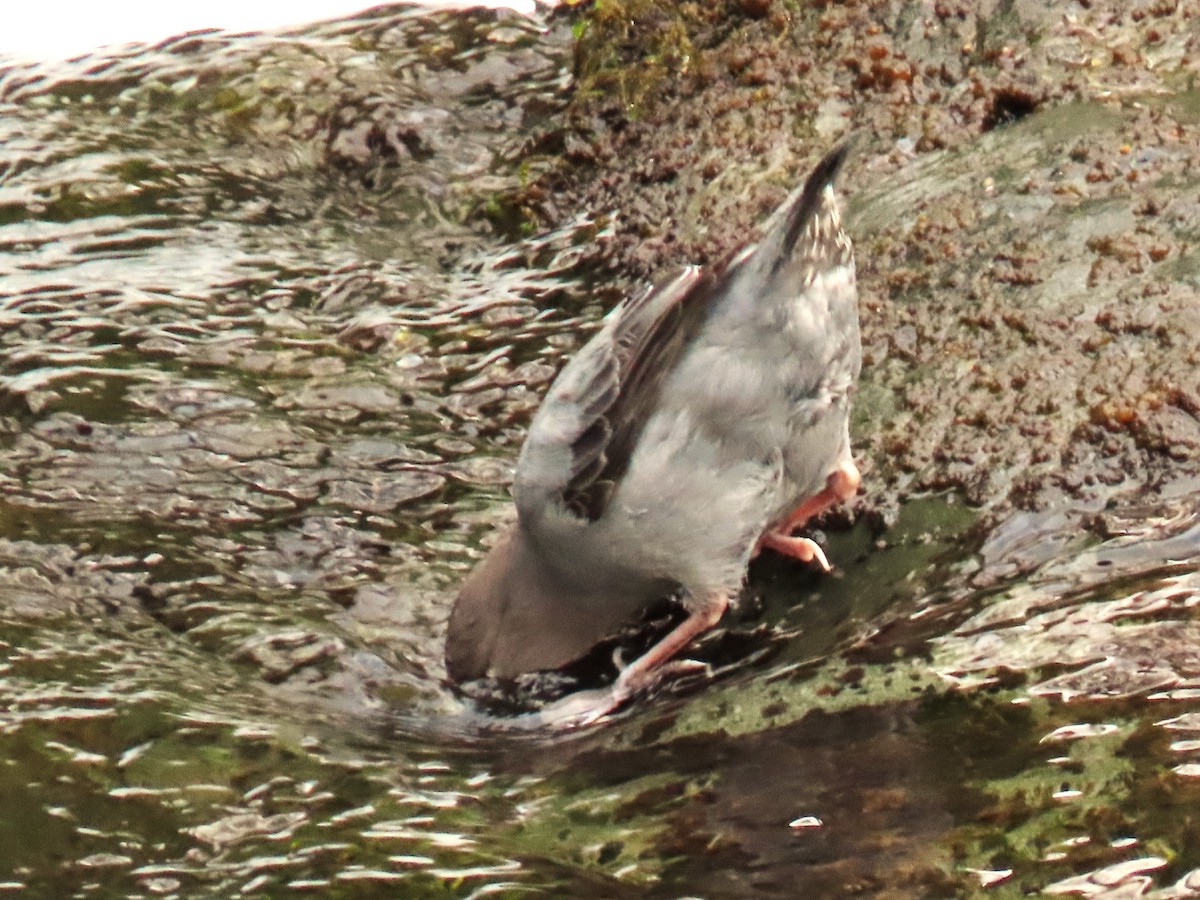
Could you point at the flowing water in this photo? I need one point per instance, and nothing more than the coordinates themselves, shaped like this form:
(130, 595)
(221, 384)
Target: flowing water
(265, 368)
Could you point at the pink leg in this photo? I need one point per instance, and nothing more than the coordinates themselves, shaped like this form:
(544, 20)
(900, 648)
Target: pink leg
(841, 484)
(588, 706)
(642, 672)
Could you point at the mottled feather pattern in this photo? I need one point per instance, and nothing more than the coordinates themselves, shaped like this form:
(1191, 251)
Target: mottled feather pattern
(823, 242)
(813, 219)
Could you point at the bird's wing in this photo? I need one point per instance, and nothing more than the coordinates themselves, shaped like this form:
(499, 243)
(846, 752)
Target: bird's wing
(582, 437)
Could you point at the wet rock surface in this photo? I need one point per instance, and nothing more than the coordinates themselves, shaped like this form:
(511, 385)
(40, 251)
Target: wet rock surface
(275, 311)
(1023, 202)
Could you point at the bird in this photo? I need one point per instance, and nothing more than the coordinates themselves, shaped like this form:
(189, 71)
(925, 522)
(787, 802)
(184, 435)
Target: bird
(705, 421)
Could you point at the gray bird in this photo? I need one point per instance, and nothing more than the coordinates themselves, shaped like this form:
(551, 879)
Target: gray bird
(707, 419)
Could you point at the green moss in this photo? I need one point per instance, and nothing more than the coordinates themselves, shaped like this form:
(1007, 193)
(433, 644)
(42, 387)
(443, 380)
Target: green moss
(630, 48)
(510, 213)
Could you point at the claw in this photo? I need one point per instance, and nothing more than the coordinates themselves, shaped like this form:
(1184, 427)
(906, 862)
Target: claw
(684, 667)
(803, 549)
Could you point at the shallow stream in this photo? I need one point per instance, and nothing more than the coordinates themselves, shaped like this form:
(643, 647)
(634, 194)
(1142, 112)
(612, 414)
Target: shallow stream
(264, 369)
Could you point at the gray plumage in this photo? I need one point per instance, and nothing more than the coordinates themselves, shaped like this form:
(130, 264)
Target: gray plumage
(699, 416)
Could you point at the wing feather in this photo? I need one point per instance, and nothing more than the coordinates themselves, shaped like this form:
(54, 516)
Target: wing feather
(583, 436)
(581, 439)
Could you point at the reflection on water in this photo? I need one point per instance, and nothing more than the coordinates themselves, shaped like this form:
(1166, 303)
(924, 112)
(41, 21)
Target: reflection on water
(61, 29)
(265, 367)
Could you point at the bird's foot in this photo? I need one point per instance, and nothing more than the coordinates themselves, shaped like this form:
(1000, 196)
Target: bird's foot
(580, 709)
(585, 708)
(803, 549)
(588, 707)
(840, 485)
(635, 679)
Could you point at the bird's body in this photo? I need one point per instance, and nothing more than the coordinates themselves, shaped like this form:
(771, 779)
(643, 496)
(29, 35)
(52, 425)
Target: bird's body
(705, 419)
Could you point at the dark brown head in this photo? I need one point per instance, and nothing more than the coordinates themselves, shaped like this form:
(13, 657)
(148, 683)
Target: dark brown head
(515, 614)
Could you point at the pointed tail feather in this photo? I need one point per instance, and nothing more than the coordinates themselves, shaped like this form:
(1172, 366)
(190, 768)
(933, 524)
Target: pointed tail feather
(809, 203)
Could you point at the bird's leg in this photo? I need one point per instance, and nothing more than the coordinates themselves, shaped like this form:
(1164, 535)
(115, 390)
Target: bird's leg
(589, 706)
(644, 671)
(840, 485)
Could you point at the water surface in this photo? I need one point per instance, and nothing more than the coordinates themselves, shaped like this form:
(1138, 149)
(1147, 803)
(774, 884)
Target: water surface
(266, 364)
